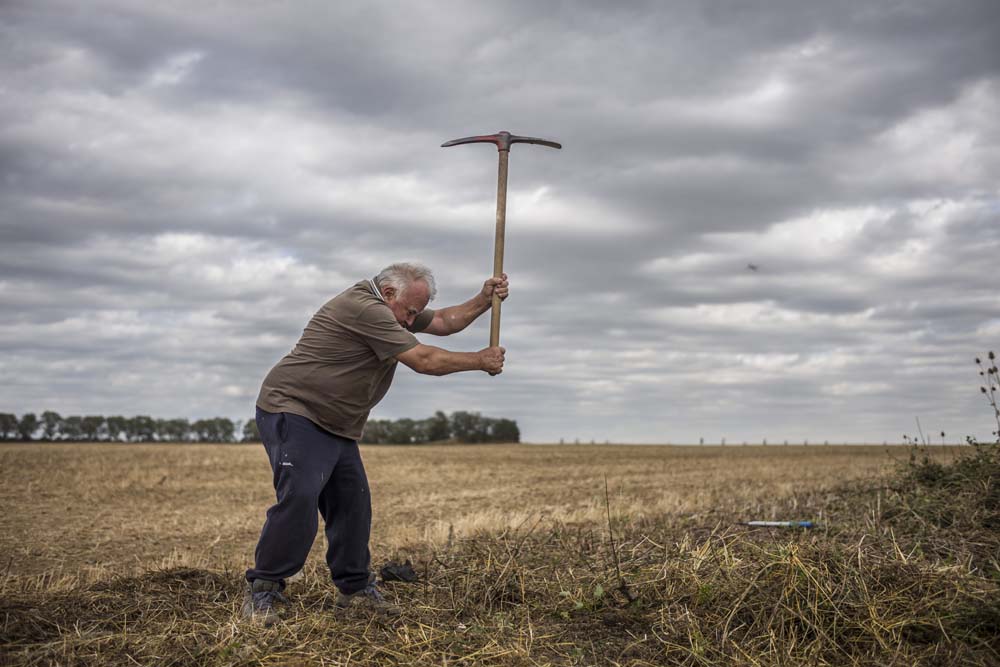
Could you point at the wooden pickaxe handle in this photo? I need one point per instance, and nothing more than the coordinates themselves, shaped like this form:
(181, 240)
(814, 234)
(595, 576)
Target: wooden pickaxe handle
(503, 141)
(498, 245)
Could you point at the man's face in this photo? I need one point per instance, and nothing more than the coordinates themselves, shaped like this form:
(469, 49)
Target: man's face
(411, 304)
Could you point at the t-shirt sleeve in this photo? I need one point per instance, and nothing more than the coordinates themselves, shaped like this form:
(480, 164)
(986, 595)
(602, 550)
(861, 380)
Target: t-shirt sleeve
(377, 326)
(421, 321)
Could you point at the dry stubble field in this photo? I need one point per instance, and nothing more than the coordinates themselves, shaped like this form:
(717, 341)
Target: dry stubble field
(86, 511)
(126, 554)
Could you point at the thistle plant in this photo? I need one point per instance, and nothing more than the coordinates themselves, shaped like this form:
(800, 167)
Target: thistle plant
(991, 380)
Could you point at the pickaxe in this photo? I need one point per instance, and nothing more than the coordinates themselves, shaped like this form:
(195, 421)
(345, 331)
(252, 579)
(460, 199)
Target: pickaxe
(503, 141)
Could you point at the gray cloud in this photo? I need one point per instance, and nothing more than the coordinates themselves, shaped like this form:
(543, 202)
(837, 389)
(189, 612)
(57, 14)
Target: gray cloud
(181, 187)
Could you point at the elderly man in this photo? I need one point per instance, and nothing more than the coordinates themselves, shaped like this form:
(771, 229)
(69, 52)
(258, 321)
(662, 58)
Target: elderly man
(311, 411)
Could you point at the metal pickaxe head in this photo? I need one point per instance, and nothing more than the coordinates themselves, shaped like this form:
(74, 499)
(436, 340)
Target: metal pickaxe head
(502, 140)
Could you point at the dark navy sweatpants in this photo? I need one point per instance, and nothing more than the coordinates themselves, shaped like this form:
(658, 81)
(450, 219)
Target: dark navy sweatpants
(313, 469)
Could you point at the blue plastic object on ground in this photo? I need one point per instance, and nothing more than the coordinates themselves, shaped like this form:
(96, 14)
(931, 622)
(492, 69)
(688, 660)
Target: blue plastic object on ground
(781, 524)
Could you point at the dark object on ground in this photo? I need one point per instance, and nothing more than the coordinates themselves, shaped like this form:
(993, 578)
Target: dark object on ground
(399, 572)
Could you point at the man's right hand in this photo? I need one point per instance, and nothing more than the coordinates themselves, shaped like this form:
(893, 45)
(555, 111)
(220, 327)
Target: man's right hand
(491, 359)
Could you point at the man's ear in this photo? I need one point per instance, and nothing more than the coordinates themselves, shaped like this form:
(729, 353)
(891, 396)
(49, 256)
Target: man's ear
(389, 293)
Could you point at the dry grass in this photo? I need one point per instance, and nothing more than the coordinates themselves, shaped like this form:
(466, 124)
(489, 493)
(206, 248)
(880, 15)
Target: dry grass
(121, 508)
(133, 554)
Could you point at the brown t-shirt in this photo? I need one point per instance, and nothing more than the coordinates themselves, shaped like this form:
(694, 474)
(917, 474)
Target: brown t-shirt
(344, 362)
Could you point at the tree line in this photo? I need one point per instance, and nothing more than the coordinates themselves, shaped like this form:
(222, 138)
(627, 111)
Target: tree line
(52, 426)
(469, 427)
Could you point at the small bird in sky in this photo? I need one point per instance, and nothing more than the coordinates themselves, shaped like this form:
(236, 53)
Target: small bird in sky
(752, 267)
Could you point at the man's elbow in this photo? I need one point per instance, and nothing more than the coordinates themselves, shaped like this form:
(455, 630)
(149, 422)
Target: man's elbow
(421, 366)
(444, 327)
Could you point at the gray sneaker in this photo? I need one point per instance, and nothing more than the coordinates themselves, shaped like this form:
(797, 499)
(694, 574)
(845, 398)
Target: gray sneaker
(369, 599)
(260, 600)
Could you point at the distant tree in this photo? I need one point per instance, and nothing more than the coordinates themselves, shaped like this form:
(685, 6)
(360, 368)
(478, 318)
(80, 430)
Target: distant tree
(437, 427)
(204, 430)
(402, 432)
(218, 429)
(419, 434)
(250, 432)
(50, 424)
(141, 428)
(72, 428)
(117, 426)
(8, 426)
(225, 429)
(93, 427)
(376, 432)
(467, 427)
(506, 430)
(173, 430)
(201, 429)
(181, 428)
(27, 426)
(382, 431)
(130, 429)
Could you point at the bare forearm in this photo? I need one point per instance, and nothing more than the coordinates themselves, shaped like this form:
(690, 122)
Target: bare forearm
(430, 360)
(458, 317)
(445, 362)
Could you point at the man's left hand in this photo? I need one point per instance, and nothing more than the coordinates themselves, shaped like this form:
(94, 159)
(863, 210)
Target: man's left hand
(498, 285)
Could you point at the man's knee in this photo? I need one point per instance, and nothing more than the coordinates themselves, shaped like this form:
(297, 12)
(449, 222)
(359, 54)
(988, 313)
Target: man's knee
(299, 492)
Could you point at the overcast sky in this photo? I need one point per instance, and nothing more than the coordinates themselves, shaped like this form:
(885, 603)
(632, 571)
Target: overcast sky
(182, 185)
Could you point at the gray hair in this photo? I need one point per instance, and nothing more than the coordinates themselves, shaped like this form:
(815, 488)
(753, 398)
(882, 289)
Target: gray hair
(402, 274)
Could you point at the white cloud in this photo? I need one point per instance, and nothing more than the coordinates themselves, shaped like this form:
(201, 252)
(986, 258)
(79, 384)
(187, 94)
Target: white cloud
(760, 317)
(858, 388)
(175, 70)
